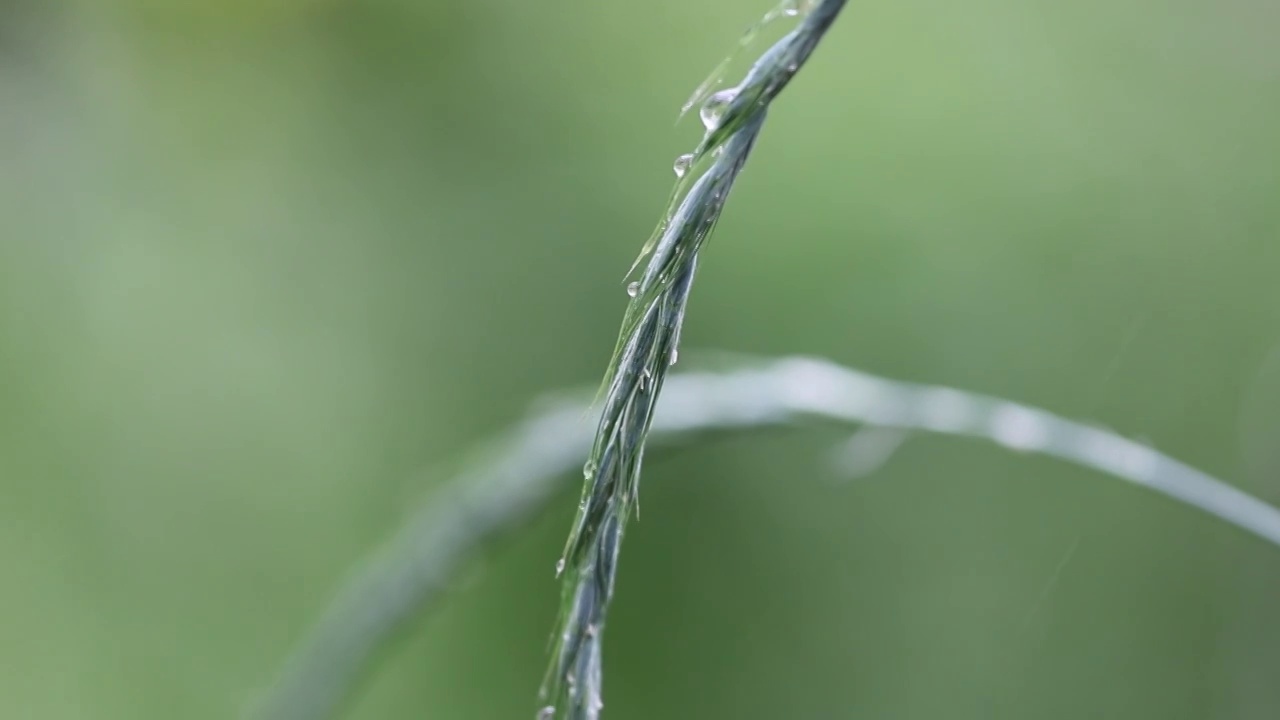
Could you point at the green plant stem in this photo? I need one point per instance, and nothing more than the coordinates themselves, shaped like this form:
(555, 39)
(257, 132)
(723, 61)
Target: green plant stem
(646, 348)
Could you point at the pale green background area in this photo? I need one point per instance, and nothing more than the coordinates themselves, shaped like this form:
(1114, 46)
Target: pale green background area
(264, 265)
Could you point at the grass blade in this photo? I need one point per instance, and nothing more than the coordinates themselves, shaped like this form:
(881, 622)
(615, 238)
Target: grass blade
(647, 347)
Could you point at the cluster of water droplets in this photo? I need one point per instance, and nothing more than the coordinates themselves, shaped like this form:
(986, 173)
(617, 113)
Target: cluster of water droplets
(714, 102)
(588, 472)
(785, 9)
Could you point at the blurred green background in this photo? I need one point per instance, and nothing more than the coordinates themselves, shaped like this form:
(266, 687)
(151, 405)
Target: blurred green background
(264, 261)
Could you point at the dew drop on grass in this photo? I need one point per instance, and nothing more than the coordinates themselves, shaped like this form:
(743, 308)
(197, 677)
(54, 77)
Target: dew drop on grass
(633, 289)
(675, 354)
(792, 8)
(682, 164)
(546, 713)
(713, 109)
(559, 567)
(589, 470)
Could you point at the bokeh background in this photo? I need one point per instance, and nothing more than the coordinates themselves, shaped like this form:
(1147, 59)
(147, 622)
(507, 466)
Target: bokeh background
(265, 265)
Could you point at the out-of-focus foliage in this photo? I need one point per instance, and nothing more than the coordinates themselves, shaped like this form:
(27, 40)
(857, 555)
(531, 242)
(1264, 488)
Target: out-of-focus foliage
(266, 267)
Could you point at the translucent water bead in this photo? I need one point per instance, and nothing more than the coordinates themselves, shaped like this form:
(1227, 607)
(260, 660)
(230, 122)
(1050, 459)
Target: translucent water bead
(792, 8)
(682, 164)
(713, 109)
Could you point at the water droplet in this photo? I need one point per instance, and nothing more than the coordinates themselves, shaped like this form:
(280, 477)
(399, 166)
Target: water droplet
(792, 8)
(675, 354)
(644, 379)
(633, 289)
(682, 164)
(592, 629)
(589, 470)
(559, 567)
(713, 109)
(546, 713)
